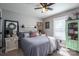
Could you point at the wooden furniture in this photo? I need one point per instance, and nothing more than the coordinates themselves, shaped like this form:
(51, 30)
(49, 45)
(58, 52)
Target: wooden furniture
(11, 43)
(72, 34)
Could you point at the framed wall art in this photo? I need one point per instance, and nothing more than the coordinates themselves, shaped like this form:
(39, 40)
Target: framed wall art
(47, 25)
(10, 27)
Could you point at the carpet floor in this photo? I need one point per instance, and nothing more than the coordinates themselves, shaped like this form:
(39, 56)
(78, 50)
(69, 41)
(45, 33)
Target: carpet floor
(61, 52)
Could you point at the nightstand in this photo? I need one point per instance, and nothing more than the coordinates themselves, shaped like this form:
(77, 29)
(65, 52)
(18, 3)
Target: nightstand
(11, 43)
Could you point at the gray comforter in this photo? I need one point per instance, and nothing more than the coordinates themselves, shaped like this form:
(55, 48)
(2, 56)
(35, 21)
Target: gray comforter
(35, 46)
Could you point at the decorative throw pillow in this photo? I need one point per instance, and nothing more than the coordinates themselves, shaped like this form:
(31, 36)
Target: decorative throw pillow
(26, 35)
(33, 34)
(21, 35)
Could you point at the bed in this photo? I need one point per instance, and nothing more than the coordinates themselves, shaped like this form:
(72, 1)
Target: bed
(38, 46)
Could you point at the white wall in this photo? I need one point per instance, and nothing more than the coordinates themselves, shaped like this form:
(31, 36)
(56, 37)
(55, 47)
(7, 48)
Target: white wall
(50, 30)
(23, 19)
(70, 13)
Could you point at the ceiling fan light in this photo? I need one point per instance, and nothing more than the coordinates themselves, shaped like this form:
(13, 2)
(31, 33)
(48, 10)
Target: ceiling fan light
(44, 10)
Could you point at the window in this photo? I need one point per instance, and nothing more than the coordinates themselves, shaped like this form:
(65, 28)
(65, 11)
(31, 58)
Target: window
(59, 27)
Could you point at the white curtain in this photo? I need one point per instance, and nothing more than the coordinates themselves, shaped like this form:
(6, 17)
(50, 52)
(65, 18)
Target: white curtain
(59, 27)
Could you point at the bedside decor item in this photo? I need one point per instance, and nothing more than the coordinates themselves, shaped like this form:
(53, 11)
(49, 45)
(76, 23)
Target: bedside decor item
(8, 36)
(40, 32)
(34, 26)
(14, 34)
(7, 32)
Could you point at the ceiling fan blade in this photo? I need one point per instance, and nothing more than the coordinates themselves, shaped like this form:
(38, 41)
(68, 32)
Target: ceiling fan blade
(50, 8)
(43, 4)
(50, 4)
(38, 8)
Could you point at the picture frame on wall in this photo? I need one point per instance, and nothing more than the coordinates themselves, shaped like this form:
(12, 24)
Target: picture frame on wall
(10, 27)
(47, 25)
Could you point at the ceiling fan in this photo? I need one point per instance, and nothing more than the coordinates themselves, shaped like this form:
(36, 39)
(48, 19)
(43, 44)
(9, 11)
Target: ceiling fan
(45, 7)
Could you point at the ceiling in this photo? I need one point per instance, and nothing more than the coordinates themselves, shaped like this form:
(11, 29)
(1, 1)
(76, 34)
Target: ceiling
(28, 8)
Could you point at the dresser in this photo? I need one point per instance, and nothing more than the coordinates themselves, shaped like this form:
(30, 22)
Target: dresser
(11, 43)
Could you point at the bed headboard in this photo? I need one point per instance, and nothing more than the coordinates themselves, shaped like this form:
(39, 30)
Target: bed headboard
(28, 29)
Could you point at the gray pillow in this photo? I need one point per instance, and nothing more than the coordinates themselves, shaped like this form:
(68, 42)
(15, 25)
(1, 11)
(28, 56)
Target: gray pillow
(26, 34)
(21, 35)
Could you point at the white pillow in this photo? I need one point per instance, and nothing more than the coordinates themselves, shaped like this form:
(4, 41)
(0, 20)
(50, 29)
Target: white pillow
(26, 35)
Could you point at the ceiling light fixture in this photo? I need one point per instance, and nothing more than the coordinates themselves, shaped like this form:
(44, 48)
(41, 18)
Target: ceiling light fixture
(45, 7)
(44, 10)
